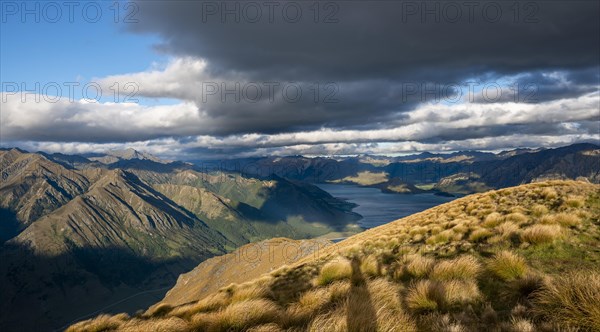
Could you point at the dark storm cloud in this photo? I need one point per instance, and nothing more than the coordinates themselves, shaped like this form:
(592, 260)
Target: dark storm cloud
(397, 73)
(379, 39)
(375, 52)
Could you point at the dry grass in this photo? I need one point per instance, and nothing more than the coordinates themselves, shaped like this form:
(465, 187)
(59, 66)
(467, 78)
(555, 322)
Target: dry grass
(507, 229)
(307, 306)
(370, 266)
(337, 269)
(517, 217)
(492, 220)
(480, 234)
(418, 266)
(161, 310)
(210, 303)
(538, 234)
(425, 296)
(266, 328)
(539, 210)
(250, 291)
(567, 220)
(462, 268)
(100, 323)
(334, 321)
(572, 300)
(575, 201)
(459, 292)
(243, 315)
(522, 325)
(168, 324)
(507, 266)
(549, 193)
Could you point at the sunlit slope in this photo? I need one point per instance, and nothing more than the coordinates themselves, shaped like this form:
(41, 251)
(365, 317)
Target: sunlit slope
(518, 259)
(245, 263)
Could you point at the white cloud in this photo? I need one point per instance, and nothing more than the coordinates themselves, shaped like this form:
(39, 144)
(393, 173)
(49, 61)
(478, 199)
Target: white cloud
(83, 126)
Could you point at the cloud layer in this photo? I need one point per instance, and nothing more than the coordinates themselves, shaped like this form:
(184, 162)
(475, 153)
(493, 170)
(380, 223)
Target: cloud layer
(340, 78)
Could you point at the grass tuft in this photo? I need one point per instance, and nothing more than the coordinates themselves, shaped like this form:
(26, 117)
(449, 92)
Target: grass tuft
(462, 268)
(507, 266)
(424, 296)
(337, 269)
(571, 300)
(99, 324)
(419, 266)
(480, 234)
(242, 315)
(538, 234)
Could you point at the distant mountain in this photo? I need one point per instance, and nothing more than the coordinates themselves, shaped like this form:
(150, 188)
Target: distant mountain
(113, 156)
(33, 186)
(507, 168)
(78, 239)
(569, 162)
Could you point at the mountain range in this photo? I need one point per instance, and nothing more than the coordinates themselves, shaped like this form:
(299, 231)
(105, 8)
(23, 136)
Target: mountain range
(79, 238)
(113, 232)
(459, 172)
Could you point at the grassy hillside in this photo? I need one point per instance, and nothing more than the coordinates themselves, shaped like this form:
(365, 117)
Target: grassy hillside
(245, 263)
(518, 259)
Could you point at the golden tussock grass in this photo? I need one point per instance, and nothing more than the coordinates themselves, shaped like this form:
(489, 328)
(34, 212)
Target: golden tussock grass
(418, 230)
(461, 268)
(567, 220)
(337, 269)
(549, 193)
(575, 201)
(460, 228)
(522, 325)
(441, 237)
(480, 234)
(250, 291)
(307, 306)
(517, 217)
(424, 296)
(161, 310)
(441, 322)
(572, 299)
(458, 292)
(168, 324)
(266, 328)
(507, 266)
(100, 323)
(492, 220)
(334, 321)
(370, 266)
(209, 303)
(538, 234)
(418, 266)
(539, 210)
(507, 229)
(240, 316)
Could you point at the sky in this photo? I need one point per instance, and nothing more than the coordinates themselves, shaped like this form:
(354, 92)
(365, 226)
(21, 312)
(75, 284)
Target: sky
(196, 80)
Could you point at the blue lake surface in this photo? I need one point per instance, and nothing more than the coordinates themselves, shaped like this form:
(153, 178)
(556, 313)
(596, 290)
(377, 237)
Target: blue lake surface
(378, 208)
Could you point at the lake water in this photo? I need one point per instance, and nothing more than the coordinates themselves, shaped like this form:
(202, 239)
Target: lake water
(378, 208)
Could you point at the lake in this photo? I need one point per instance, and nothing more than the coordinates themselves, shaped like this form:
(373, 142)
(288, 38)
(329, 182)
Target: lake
(378, 208)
